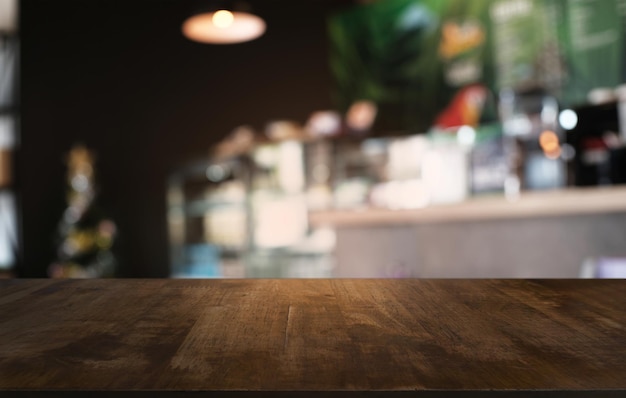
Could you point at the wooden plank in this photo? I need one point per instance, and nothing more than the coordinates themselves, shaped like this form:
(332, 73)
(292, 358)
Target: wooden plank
(405, 336)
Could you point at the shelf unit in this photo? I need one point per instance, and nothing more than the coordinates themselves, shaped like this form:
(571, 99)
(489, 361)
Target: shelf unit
(205, 239)
(9, 119)
(245, 216)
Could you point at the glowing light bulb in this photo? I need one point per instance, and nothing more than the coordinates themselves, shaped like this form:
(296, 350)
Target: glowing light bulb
(466, 136)
(223, 27)
(549, 141)
(223, 19)
(361, 115)
(568, 119)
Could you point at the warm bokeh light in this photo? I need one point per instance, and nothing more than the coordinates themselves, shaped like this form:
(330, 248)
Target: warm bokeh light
(223, 18)
(223, 27)
(549, 141)
(324, 123)
(361, 115)
(279, 130)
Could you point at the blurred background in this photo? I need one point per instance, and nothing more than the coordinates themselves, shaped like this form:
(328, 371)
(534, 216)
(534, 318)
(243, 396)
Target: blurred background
(318, 138)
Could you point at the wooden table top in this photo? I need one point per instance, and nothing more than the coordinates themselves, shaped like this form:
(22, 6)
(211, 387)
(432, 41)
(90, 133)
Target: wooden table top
(417, 336)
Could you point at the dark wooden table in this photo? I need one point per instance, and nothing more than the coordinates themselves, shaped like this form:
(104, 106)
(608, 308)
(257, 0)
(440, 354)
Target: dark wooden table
(424, 338)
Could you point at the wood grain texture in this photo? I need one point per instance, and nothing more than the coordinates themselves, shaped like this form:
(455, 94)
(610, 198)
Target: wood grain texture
(314, 335)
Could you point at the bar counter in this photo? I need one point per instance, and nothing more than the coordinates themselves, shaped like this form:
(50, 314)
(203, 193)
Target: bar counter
(305, 337)
(556, 203)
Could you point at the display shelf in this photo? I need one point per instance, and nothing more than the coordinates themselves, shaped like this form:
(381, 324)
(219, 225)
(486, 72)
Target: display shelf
(201, 243)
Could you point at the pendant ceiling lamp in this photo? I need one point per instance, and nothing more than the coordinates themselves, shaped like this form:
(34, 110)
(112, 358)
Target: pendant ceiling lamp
(224, 24)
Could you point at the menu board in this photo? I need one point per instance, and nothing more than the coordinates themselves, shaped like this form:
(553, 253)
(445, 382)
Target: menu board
(595, 41)
(439, 63)
(527, 45)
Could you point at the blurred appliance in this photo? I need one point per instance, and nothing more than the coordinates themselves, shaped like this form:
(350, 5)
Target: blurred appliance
(600, 150)
(533, 140)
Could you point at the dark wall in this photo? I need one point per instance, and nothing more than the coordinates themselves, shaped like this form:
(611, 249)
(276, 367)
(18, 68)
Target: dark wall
(119, 77)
